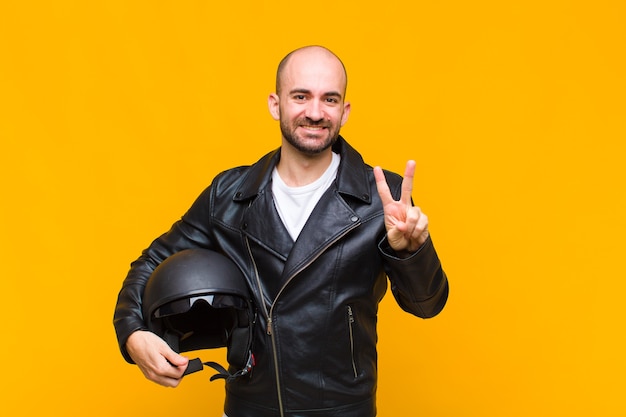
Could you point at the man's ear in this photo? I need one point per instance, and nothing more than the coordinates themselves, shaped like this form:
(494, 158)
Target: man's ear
(272, 104)
(346, 113)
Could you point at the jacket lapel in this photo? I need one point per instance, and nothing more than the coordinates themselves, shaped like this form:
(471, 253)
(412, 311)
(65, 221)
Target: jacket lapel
(330, 220)
(263, 224)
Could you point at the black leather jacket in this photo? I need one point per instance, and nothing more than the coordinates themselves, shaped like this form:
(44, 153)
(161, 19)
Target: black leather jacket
(317, 298)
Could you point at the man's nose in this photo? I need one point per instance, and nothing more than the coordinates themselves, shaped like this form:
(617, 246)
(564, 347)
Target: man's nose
(314, 110)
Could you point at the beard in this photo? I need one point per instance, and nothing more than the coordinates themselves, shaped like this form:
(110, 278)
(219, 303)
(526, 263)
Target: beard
(310, 143)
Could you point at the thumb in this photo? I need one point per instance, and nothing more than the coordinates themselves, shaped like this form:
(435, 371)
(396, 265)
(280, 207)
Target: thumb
(174, 358)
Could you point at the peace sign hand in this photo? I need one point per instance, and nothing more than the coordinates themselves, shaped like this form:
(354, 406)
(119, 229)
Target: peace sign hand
(407, 226)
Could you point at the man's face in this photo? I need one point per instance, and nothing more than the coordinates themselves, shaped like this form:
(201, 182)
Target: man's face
(311, 107)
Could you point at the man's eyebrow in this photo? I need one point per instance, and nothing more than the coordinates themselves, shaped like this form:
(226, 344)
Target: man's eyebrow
(300, 90)
(333, 94)
(305, 91)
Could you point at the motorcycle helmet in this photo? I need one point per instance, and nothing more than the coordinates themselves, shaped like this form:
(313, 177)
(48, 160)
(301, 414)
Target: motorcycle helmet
(198, 299)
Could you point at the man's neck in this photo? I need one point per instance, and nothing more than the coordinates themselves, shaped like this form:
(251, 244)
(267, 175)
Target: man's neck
(297, 169)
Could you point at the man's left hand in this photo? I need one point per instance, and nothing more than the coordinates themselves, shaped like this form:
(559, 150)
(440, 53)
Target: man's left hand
(407, 226)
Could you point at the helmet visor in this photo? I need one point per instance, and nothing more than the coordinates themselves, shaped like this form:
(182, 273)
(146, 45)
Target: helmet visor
(214, 300)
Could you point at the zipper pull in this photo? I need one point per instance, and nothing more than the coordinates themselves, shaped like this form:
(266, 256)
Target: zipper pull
(350, 315)
(269, 326)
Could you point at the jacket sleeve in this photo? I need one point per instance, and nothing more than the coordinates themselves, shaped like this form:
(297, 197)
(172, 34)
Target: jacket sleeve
(418, 283)
(189, 232)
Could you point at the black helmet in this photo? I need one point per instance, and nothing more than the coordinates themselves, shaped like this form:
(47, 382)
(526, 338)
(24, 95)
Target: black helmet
(199, 299)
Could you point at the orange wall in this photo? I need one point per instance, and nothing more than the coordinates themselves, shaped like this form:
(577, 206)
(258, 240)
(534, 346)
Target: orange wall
(114, 115)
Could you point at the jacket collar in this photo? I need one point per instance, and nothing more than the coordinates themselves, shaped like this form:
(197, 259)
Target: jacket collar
(352, 176)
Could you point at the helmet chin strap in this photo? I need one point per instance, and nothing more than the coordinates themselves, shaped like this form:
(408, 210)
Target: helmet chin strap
(196, 365)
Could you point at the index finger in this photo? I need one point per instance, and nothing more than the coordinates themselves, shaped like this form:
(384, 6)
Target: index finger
(407, 182)
(382, 187)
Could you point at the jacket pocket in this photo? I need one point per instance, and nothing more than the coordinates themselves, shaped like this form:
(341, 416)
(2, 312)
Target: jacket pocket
(351, 329)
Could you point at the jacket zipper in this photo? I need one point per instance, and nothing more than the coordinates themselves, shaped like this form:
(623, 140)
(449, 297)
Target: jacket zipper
(268, 314)
(351, 330)
(269, 330)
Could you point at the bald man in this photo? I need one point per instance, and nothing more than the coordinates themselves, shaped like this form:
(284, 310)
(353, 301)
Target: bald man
(317, 233)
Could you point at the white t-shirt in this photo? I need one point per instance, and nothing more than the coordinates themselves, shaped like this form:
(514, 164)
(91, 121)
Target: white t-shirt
(295, 204)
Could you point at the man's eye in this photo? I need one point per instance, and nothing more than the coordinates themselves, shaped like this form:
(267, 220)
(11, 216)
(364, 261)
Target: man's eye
(299, 97)
(332, 100)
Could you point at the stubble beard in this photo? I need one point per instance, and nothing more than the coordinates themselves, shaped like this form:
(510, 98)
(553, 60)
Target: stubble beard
(302, 143)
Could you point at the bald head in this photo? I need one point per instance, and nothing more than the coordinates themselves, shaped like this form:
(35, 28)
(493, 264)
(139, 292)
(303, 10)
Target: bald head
(310, 53)
(310, 100)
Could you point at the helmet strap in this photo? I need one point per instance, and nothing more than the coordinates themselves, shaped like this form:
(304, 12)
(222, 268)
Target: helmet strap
(196, 365)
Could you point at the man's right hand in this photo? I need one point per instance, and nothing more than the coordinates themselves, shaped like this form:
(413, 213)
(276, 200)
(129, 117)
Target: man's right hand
(158, 362)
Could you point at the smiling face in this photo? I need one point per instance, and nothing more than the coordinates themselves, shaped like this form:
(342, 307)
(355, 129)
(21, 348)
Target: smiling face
(310, 100)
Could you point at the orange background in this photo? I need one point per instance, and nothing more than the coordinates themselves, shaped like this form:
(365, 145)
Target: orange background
(115, 115)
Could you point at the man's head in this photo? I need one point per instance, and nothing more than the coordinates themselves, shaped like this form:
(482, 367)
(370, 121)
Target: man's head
(310, 99)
